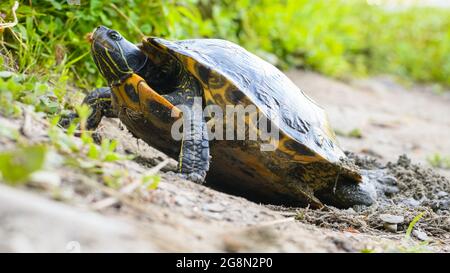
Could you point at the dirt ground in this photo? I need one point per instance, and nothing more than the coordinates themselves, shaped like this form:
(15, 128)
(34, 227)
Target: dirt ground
(182, 216)
(392, 119)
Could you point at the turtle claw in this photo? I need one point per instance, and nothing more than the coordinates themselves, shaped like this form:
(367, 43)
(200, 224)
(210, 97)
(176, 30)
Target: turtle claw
(66, 120)
(97, 137)
(194, 177)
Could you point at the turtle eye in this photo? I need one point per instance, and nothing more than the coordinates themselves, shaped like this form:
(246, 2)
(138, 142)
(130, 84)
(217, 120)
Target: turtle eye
(114, 35)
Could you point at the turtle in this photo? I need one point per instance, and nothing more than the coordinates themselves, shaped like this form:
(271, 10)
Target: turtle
(152, 86)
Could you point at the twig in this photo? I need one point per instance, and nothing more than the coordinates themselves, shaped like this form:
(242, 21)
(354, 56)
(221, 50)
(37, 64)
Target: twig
(3, 26)
(24, 129)
(128, 189)
(15, 21)
(111, 192)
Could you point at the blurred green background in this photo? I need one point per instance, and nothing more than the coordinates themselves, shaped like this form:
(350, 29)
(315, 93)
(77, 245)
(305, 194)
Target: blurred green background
(339, 38)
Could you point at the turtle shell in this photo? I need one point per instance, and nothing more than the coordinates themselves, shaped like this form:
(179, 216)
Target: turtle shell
(230, 74)
(307, 162)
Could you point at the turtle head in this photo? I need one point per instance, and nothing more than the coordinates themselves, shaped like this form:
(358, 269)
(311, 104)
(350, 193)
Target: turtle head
(116, 58)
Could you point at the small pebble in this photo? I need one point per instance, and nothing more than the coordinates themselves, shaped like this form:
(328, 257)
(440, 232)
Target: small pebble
(442, 194)
(390, 227)
(350, 211)
(420, 235)
(181, 201)
(214, 207)
(392, 219)
(411, 202)
(46, 179)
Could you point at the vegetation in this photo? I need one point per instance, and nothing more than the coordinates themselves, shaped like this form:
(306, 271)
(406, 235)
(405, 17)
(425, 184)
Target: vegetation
(354, 133)
(439, 161)
(337, 38)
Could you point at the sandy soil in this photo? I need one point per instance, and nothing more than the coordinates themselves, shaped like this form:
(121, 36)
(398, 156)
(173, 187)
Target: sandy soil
(182, 216)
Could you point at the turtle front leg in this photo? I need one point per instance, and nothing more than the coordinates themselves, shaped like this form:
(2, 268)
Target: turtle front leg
(99, 101)
(185, 102)
(193, 163)
(194, 157)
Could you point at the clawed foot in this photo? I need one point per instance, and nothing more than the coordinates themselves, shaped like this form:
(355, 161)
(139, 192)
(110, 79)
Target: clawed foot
(66, 120)
(198, 178)
(193, 177)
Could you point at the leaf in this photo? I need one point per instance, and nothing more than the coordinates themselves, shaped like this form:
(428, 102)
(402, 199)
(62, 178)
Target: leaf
(16, 166)
(55, 4)
(93, 152)
(6, 74)
(151, 182)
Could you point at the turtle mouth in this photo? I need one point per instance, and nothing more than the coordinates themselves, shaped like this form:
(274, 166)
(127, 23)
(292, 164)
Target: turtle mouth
(89, 37)
(101, 44)
(99, 39)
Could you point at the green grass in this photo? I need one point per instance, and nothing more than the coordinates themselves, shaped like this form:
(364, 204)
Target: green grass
(407, 245)
(412, 224)
(439, 161)
(338, 38)
(354, 133)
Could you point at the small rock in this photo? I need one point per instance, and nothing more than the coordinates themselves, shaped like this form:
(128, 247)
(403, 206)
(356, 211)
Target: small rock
(350, 211)
(214, 207)
(440, 204)
(442, 194)
(392, 219)
(359, 208)
(181, 201)
(215, 216)
(445, 205)
(420, 235)
(390, 227)
(411, 202)
(45, 179)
